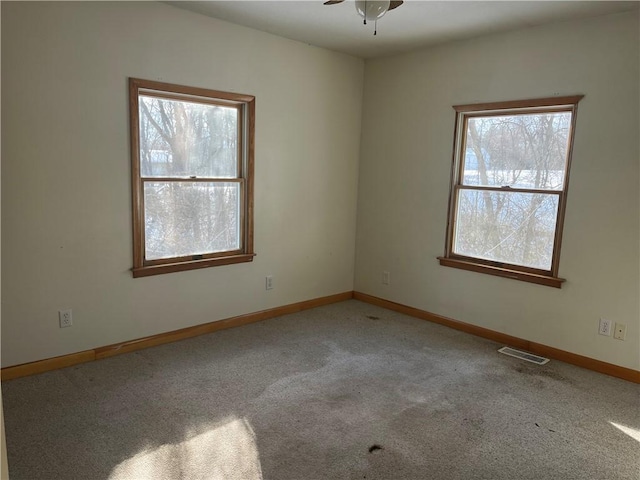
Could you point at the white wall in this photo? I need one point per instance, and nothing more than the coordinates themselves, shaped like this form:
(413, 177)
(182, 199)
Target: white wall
(405, 168)
(66, 213)
(4, 464)
(66, 220)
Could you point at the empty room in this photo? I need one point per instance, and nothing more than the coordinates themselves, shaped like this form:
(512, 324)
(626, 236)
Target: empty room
(320, 240)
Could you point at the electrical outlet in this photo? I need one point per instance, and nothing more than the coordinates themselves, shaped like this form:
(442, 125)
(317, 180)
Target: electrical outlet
(268, 282)
(386, 278)
(65, 317)
(605, 327)
(620, 331)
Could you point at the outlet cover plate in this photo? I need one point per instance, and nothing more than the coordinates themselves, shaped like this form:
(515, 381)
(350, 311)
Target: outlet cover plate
(605, 327)
(65, 317)
(620, 331)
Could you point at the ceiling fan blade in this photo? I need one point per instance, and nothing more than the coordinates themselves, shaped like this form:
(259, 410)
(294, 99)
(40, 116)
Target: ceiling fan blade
(396, 4)
(333, 2)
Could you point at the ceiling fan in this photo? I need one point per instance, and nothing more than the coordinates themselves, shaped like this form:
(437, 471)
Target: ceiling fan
(371, 10)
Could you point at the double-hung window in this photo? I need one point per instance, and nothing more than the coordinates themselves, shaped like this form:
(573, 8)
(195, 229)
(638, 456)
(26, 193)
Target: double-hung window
(192, 164)
(509, 188)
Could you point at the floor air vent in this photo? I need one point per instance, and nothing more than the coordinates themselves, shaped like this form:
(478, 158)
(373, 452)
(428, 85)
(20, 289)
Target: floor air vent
(529, 357)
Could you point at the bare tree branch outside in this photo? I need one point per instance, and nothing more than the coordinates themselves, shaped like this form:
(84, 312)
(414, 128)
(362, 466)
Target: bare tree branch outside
(181, 141)
(505, 153)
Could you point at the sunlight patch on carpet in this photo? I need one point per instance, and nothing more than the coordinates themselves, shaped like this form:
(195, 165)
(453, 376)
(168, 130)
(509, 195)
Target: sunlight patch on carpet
(632, 432)
(228, 452)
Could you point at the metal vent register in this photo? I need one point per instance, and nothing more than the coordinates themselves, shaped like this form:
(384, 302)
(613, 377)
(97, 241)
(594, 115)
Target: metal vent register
(529, 357)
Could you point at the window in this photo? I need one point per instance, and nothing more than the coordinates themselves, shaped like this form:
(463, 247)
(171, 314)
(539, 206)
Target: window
(509, 188)
(192, 163)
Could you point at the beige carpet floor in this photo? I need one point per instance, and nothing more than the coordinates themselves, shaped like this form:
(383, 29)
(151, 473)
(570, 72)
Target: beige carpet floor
(346, 391)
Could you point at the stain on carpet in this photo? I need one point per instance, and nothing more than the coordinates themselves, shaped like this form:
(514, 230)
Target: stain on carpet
(543, 372)
(375, 447)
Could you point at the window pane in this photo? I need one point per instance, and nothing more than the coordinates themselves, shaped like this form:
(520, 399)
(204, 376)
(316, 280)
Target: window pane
(191, 218)
(183, 139)
(507, 227)
(523, 151)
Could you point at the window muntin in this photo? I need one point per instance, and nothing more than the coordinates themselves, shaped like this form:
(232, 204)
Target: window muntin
(192, 158)
(511, 166)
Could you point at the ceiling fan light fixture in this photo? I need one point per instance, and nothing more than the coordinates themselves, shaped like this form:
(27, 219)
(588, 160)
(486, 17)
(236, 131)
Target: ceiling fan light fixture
(372, 10)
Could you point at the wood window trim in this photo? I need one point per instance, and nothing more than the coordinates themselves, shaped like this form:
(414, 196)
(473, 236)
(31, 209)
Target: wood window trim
(149, 270)
(246, 127)
(531, 103)
(463, 113)
(474, 265)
